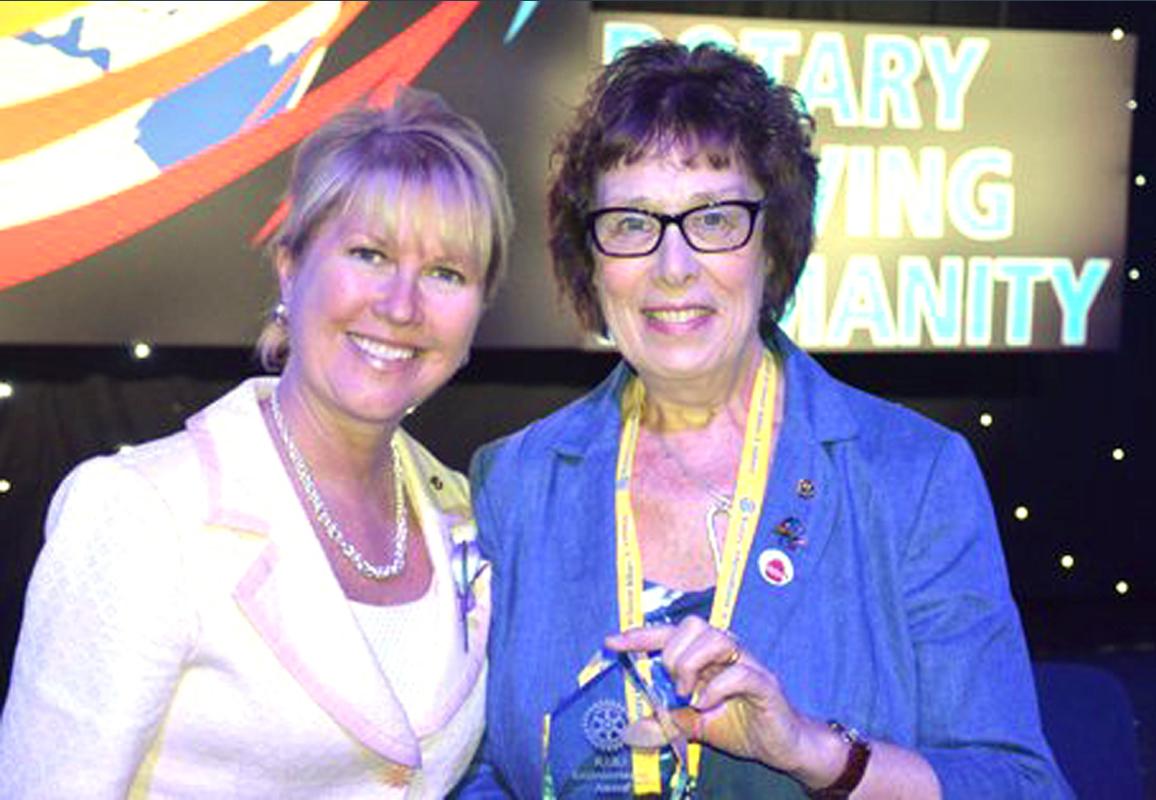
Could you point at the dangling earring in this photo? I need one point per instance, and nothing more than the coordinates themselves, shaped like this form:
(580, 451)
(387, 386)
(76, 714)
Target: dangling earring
(604, 337)
(281, 314)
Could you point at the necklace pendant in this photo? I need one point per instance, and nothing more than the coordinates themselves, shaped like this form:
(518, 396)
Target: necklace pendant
(714, 511)
(718, 507)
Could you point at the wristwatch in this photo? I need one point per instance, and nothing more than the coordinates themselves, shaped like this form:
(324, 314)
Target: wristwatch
(853, 770)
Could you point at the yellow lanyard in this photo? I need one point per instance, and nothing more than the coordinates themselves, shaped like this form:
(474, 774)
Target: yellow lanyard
(750, 486)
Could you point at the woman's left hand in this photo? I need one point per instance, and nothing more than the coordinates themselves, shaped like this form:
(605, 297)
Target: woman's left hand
(736, 703)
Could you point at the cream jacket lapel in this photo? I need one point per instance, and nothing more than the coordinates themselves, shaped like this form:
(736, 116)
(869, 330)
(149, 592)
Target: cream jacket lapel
(289, 593)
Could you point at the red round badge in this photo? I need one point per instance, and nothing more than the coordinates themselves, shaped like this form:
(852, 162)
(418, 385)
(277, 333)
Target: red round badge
(776, 567)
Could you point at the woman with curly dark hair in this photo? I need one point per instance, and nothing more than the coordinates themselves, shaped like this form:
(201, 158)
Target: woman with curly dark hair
(723, 571)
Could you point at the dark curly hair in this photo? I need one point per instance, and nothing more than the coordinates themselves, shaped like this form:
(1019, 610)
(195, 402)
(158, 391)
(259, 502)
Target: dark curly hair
(660, 95)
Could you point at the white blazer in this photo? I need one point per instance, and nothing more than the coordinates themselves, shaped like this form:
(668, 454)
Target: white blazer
(185, 637)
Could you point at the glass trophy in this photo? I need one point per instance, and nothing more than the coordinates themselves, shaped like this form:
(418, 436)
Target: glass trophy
(585, 755)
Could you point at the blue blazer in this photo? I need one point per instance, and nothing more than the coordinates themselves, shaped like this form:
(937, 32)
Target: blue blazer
(899, 620)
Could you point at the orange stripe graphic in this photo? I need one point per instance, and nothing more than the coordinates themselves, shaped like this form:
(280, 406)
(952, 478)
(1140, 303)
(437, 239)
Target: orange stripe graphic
(35, 123)
(37, 248)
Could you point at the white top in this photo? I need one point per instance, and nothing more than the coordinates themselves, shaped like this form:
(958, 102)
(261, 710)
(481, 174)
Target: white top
(415, 644)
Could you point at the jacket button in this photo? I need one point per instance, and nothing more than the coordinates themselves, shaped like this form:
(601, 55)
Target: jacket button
(396, 774)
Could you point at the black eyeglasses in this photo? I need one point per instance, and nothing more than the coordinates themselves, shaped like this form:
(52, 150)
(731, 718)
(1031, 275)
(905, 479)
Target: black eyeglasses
(710, 228)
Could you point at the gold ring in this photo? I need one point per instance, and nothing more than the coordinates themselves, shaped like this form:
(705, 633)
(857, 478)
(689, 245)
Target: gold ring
(696, 732)
(733, 657)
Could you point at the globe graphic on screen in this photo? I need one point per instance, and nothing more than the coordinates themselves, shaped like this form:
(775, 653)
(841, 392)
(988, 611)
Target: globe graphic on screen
(109, 54)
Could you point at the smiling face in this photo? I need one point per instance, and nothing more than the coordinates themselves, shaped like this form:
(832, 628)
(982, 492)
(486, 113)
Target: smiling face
(378, 321)
(678, 316)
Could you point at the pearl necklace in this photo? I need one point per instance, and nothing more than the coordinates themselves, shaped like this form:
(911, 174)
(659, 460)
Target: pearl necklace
(325, 519)
(720, 503)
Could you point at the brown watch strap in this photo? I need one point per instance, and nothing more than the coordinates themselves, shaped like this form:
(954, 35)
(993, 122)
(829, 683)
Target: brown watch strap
(853, 770)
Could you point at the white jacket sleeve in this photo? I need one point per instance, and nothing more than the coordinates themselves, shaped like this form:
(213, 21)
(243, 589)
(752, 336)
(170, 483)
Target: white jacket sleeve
(105, 632)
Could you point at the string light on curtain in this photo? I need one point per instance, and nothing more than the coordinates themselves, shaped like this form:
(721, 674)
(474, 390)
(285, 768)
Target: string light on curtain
(1067, 561)
(1133, 275)
(986, 419)
(1021, 513)
(6, 390)
(141, 350)
(5, 486)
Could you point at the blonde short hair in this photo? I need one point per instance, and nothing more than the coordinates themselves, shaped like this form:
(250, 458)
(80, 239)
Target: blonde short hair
(416, 158)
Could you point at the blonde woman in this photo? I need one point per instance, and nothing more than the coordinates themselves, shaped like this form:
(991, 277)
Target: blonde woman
(280, 600)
